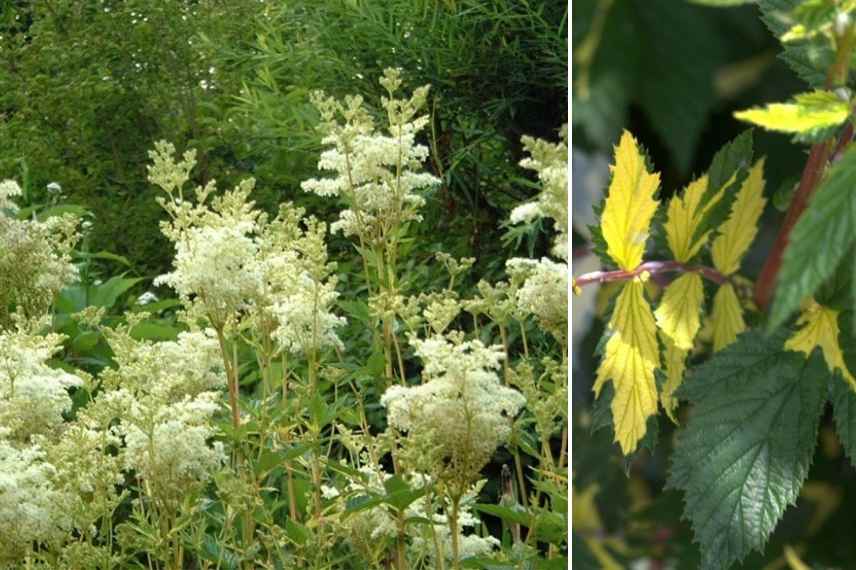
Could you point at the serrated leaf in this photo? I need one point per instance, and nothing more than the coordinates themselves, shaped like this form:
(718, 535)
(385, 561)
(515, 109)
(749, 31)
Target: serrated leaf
(675, 365)
(747, 445)
(683, 217)
(726, 317)
(678, 315)
(726, 174)
(732, 156)
(820, 239)
(809, 112)
(629, 204)
(738, 231)
(844, 411)
(819, 329)
(809, 59)
(630, 359)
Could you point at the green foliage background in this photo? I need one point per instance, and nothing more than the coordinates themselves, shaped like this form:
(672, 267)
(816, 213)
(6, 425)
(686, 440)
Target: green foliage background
(673, 72)
(87, 87)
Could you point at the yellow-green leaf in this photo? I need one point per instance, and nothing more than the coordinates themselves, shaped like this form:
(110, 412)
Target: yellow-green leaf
(683, 218)
(809, 112)
(676, 364)
(629, 206)
(678, 315)
(738, 231)
(630, 359)
(819, 327)
(726, 317)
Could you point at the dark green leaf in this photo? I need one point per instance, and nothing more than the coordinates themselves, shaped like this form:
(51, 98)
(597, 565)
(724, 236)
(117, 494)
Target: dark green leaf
(748, 443)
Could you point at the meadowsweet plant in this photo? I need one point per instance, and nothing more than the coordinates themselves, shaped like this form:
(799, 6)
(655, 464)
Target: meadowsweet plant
(758, 363)
(35, 257)
(265, 429)
(377, 174)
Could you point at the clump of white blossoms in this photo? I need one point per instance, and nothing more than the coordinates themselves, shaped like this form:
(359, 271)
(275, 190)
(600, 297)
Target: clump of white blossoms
(35, 257)
(550, 161)
(160, 401)
(542, 287)
(30, 506)
(542, 291)
(8, 190)
(33, 396)
(232, 262)
(459, 416)
(376, 172)
(168, 370)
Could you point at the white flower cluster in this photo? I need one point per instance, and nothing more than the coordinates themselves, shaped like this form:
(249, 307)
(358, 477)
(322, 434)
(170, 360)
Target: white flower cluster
(550, 161)
(30, 506)
(461, 414)
(33, 396)
(164, 397)
(8, 190)
(544, 291)
(169, 444)
(216, 264)
(232, 262)
(35, 258)
(377, 173)
(305, 318)
(170, 370)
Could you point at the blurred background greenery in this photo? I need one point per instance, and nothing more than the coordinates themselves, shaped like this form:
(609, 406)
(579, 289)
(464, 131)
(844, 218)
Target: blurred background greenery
(86, 87)
(673, 72)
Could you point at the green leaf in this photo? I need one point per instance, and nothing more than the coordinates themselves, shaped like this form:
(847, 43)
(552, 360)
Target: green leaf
(820, 240)
(731, 165)
(514, 515)
(748, 443)
(154, 330)
(809, 59)
(106, 294)
(105, 255)
(842, 394)
(399, 495)
(732, 156)
(844, 410)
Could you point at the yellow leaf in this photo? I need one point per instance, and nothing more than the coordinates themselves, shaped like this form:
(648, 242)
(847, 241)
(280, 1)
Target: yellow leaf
(629, 206)
(629, 361)
(808, 112)
(676, 364)
(819, 327)
(678, 315)
(683, 218)
(727, 317)
(738, 231)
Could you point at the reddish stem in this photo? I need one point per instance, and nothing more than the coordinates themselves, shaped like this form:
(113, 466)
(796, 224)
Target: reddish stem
(820, 154)
(811, 175)
(651, 267)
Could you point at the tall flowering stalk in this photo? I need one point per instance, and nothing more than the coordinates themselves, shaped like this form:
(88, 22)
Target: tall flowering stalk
(377, 175)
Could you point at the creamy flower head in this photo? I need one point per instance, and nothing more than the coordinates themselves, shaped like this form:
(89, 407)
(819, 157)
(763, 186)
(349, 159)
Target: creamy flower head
(8, 190)
(461, 414)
